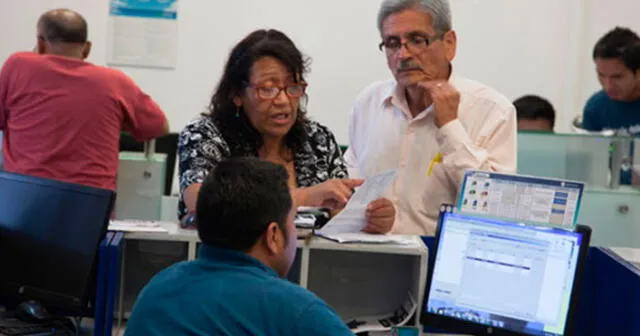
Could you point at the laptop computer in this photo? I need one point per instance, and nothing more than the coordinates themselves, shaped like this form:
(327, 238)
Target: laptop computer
(529, 199)
(501, 277)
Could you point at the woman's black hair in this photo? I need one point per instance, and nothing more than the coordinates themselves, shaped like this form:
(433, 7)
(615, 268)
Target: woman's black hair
(231, 121)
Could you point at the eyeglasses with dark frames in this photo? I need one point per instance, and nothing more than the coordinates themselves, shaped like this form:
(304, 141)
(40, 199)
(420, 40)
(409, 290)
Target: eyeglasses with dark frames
(414, 44)
(292, 91)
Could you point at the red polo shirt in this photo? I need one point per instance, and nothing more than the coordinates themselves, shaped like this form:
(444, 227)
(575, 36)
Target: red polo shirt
(62, 118)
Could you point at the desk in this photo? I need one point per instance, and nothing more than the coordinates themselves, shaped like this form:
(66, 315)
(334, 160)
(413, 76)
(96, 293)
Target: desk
(352, 278)
(145, 254)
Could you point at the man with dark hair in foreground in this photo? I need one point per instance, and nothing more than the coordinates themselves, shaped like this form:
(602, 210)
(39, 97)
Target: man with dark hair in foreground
(244, 215)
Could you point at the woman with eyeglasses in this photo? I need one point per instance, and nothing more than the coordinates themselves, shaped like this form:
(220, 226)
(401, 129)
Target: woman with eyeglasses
(258, 109)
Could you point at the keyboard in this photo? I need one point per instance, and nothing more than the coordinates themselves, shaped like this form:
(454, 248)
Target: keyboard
(14, 327)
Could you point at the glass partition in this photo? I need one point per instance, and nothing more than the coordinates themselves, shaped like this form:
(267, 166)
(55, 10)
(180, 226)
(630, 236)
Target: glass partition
(613, 215)
(635, 172)
(578, 157)
(612, 211)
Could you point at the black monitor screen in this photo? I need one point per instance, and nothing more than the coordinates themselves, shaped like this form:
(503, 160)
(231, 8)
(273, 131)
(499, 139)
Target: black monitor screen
(503, 276)
(49, 235)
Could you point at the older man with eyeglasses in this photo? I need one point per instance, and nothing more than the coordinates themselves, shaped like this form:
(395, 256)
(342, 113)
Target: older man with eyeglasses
(428, 123)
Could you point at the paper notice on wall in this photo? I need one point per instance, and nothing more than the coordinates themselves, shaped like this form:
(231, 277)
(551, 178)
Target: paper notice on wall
(143, 33)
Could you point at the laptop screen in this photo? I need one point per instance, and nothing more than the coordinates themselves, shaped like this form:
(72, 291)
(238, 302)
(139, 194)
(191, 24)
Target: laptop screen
(530, 199)
(503, 274)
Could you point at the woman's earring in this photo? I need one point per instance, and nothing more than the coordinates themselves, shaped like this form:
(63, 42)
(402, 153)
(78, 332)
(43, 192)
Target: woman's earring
(237, 111)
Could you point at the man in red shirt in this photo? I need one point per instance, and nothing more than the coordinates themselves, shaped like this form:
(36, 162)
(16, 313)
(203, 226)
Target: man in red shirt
(62, 116)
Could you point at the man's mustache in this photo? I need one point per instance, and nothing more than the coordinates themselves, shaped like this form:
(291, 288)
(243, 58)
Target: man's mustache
(409, 65)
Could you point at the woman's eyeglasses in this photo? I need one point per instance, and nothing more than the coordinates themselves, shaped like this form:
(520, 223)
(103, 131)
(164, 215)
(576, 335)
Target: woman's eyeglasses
(293, 91)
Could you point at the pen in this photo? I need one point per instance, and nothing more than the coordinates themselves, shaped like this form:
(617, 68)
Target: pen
(436, 159)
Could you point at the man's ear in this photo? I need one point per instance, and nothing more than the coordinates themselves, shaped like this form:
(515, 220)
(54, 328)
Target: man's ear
(87, 50)
(41, 45)
(450, 40)
(272, 238)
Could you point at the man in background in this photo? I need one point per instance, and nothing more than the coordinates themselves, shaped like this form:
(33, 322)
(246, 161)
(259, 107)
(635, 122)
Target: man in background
(429, 123)
(617, 106)
(62, 116)
(244, 215)
(535, 113)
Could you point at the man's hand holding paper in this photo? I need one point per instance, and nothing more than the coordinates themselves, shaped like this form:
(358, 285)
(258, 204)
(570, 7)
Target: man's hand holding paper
(367, 211)
(380, 215)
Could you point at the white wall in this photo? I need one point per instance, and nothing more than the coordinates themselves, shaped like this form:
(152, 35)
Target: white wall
(518, 47)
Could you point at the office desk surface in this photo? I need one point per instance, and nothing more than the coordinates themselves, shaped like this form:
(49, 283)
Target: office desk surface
(414, 246)
(175, 233)
(631, 255)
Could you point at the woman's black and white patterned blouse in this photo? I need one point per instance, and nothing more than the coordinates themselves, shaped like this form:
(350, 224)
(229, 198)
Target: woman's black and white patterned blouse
(201, 146)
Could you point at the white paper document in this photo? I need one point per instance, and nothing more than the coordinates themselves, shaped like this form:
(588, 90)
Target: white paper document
(348, 224)
(367, 238)
(136, 226)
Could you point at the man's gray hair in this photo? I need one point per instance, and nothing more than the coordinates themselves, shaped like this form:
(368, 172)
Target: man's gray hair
(439, 10)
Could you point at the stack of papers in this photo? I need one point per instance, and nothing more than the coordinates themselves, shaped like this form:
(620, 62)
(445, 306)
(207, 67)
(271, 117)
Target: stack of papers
(347, 226)
(367, 238)
(137, 226)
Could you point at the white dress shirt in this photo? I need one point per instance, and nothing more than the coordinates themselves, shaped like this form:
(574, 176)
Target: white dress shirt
(384, 136)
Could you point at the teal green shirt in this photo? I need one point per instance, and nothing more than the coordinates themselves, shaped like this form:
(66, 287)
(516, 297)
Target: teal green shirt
(603, 113)
(224, 292)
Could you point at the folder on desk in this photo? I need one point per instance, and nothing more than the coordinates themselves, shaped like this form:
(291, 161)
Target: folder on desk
(113, 279)
(101, 279)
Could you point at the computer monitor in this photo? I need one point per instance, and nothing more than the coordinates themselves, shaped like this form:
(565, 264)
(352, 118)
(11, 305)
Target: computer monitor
(50, 232)
(531, 199)
(167, 144)
(498, 277)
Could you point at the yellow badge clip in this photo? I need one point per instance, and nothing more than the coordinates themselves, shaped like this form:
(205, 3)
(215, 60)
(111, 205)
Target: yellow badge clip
(436, 159)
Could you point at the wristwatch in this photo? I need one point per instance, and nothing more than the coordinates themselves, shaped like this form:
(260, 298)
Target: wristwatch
(189, 221)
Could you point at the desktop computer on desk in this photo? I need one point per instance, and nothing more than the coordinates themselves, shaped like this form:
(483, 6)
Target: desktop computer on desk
(49, 237)
(501, 277)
